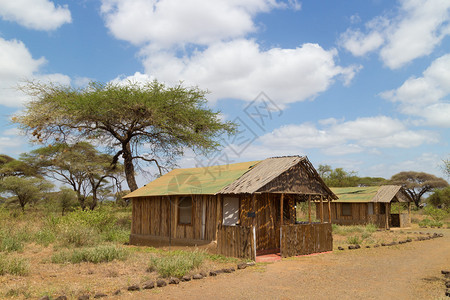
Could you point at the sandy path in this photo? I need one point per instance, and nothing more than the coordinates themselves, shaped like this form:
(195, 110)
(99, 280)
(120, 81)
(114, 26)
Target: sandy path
(408, 271)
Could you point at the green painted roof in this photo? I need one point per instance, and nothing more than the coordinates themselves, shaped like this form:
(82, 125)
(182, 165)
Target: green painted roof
(384, 193)
(206, 180)
(355, 194)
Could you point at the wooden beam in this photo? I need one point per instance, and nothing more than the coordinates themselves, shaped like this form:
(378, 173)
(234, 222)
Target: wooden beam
(387, 213)
(218, 214)
(309, 208)
(281, 223)
(254, 224)
(329, 209)
(281, 209)
(321, 209)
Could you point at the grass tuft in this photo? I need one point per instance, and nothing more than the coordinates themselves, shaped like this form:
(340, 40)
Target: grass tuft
(14, 266)
(176, 263)
(99, 254)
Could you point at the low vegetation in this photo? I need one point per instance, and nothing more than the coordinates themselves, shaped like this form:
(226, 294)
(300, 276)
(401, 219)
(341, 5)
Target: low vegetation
(176, 263)
(98, 254)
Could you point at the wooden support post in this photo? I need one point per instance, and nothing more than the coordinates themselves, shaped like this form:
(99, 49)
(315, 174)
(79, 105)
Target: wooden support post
(321, 209)
(254, 224)
(175, 223)
(309, 208)
(329, 209)
(387, 213)
(281, 223)
(218, 214)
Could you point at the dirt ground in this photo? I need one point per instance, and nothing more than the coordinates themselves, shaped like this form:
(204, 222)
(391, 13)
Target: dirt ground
(407, 271)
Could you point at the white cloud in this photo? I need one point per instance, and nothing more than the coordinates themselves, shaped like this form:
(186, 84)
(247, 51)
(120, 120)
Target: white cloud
(16, 65)
(240, 69)
(426, 162)
(426, 96)
(416, 30)
(360, 135)
(35, 14)
(360, 44)
(165, 23)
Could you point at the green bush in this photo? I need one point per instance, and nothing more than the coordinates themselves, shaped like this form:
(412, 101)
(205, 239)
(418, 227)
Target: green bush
(430, 223)
(44, 237)
(176, 263)
(9, 242)
(77, 235)
(354, 240)
(99, 254)
(13, 266)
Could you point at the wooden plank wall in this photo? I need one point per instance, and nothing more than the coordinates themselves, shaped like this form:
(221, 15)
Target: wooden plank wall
(302, 239)
(267, 218)
(235, 241)
(157, 216)
(359, 214)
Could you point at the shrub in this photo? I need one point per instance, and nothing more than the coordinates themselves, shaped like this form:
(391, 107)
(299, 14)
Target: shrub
(354, 240)
(9, 242)
(99, 254)
(176, 263)
(76, 235)
(13, 266)
(44, 237)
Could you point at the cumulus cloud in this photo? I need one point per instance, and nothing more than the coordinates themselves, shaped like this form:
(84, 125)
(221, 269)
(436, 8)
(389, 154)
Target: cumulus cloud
(165, 23)
(340, 137)
(16, 65)
(426, 162)
(35, 14)
(426, 96)
(417, 28)
(240, 69)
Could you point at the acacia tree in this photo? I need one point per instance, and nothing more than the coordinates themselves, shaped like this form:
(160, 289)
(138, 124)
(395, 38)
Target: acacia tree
(150, 121)
(13, 167)
(416, 184)
(79, 165)
(25, 189)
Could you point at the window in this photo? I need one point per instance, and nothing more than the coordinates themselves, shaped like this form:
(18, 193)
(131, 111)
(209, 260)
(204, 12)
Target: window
(370, 208)
(185, 210)
(382, 209)
(230, 211)
(346, 209)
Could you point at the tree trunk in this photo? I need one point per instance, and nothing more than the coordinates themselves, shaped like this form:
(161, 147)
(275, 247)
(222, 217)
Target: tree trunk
(94, 199)
(129, 167)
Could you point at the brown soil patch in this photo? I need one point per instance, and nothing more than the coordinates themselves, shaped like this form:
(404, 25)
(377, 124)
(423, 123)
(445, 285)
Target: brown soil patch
(406, 271)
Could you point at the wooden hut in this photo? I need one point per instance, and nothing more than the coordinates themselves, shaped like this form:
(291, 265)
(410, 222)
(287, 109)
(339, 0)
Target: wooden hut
(246, 208)
(370, 205)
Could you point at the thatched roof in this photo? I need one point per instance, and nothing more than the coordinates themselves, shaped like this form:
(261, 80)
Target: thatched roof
(384, 194)
(291, 174)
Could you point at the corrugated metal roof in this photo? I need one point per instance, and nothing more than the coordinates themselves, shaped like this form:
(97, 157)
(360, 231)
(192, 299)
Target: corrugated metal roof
(384, 193)
(206, 181)
(261, 174)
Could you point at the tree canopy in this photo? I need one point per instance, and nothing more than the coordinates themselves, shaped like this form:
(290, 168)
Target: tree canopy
(24, 189)
(79, 165)
(416, 184)
(150, 121)
(440, 198)
(340, 178)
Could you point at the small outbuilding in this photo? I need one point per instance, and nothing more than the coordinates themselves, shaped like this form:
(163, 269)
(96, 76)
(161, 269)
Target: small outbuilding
(371, 205)
(240, 209)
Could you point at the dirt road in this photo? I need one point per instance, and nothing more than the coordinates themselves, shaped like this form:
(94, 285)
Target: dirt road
(407, 271)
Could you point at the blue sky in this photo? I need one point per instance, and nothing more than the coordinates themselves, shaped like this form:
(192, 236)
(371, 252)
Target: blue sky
(363, 85)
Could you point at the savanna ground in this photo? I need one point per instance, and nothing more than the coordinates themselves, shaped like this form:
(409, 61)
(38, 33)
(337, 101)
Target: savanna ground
(82, 253)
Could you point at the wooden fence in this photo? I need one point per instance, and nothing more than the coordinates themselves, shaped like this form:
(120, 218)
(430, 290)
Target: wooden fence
(301, 239)
(236, 241)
